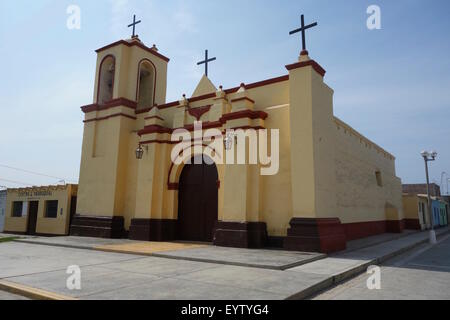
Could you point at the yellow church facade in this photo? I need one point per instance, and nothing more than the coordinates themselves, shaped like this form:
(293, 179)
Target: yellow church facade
(332, 184)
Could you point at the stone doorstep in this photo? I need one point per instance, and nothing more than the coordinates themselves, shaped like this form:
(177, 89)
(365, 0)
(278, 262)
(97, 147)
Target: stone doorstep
(352, 272)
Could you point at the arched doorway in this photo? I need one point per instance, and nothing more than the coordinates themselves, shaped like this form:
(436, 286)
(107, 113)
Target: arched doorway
(198, 200)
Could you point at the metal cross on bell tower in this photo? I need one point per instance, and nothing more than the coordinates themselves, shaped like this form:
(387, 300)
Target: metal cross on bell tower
(206, 61)
(303, 31)
(134, 25)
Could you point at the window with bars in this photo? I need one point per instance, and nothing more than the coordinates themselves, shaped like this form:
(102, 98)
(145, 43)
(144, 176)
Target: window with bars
(17, 209)
(51, 209)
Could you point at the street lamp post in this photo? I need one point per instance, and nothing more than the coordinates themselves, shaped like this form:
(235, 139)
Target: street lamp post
(430, 156)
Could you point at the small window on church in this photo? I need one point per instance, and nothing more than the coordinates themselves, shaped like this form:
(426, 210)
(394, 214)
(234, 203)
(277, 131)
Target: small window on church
(379, 178)
(106, 81)
(146, 85)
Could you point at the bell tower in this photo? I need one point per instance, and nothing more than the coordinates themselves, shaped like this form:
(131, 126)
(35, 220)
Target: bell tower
(129, 69)
(130, 79)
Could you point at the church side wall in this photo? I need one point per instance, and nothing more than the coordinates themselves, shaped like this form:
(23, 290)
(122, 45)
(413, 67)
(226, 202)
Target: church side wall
(359, 197)
(324, 142)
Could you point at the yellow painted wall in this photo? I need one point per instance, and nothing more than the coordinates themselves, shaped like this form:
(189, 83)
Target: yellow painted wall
(276, 195)
(411, 205)
(359, 198)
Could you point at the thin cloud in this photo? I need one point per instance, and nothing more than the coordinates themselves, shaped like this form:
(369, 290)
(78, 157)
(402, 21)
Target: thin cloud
(185, 21)
(119, 8)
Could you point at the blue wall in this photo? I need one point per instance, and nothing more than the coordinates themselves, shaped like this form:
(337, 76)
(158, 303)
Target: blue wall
(436, 208)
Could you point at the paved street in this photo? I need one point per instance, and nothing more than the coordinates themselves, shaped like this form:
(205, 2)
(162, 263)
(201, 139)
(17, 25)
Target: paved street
(421, 274)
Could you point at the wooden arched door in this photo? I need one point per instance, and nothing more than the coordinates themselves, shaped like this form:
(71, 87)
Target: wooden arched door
(197, 201)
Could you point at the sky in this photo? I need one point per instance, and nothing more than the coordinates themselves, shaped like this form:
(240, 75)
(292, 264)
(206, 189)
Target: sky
(392, 84)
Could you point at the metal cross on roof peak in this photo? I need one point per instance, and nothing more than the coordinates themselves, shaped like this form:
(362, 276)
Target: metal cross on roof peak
(134, 25)
(206, 61)
(302, 30)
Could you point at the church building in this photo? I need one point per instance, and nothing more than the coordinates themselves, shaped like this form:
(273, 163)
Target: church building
(333, 184)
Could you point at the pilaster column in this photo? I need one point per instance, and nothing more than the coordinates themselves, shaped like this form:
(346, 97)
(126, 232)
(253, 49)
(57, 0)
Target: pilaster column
(313, 177)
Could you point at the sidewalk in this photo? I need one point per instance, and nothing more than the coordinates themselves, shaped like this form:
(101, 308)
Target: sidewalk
(118, 276)
(342, 266)
(261, 258)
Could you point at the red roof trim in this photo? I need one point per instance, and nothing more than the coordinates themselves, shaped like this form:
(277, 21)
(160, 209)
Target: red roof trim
(158, 141)
(209, 125)
(154, 117)
(247, 128)
(243, 98)
(197, 113)
(111, 116)
(130, 44)
(133, 104)
(244, 114)
(120, 102)
(169, 105)
(266, 82)
(154, 128)
(311, 63)
(227, 91)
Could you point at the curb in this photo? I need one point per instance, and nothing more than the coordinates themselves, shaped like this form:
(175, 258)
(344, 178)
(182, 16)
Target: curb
(59, 245)
(355, 271)
(243, 264)
(32, 293)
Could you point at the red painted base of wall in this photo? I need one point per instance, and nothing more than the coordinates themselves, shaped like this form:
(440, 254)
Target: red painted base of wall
(395, 226)
(412, 224)
(360, 230)
(330, 235)
(354, 231)
(315, 235)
